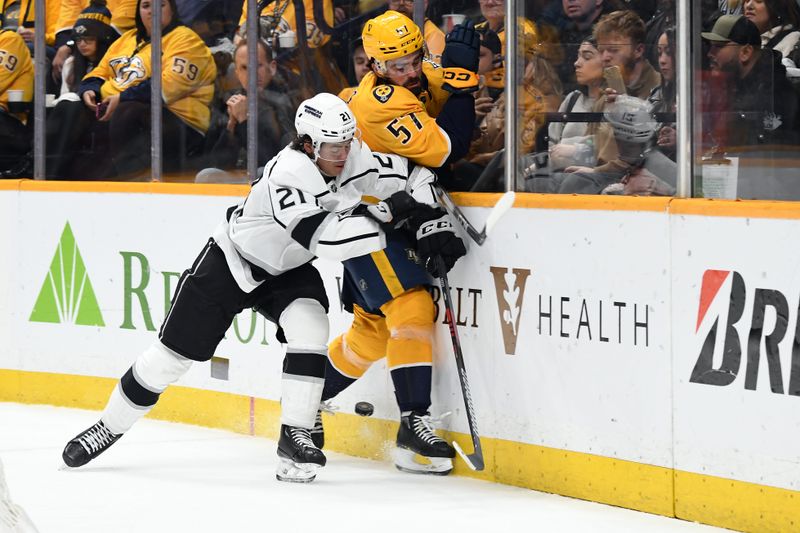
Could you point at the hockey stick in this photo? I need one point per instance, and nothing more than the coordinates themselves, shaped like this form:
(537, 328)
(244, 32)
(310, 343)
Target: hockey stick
(475, 459)
(500, 208)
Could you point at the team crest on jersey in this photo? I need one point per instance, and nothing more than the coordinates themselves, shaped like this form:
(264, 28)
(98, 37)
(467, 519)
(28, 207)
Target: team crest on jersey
(382, 93)
(128, 70)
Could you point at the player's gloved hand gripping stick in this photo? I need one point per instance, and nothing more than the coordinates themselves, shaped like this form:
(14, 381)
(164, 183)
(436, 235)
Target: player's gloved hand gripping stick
(475, 459)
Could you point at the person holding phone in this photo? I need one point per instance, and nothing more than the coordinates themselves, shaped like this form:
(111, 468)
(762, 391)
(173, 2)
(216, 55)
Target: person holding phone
(120, 87)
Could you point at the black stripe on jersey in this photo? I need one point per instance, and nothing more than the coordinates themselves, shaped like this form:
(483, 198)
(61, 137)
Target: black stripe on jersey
(305, 364)
(351, 178)
(304, 230)
(136, 392)
(320, 195)
(350, 239)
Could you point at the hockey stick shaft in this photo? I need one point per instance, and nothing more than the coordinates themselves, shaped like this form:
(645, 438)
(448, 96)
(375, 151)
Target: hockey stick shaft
(499, 209)
(475, 459)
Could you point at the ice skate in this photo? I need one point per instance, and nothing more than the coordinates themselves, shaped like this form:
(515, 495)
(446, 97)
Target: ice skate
(416, 437)
(88, 444)
(298, 457)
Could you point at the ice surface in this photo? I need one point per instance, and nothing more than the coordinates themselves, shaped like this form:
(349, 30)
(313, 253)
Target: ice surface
(164, 477)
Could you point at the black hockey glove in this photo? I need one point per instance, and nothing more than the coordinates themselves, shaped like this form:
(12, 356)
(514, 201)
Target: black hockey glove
(460, 59)
(437, 238)
(399, 207)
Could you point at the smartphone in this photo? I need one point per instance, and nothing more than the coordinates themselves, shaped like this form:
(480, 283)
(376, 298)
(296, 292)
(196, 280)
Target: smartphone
(100, 110)
(613, 77)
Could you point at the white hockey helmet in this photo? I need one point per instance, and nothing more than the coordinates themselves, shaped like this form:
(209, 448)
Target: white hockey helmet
(325, 118)
(631, 119)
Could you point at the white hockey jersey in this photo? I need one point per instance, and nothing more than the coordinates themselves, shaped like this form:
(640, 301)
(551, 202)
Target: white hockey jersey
(293, 214)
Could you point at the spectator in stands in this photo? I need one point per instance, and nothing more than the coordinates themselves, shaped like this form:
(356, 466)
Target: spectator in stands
(664, 17)
(582, 16)
(620, 39)
(314, 66)
(541, 90)
(493, 12)
(778, 22)
(663, 98)
(434, 37)
(570, 142)
(76, 142)
(118, 91)
(468, 170)
(275, 119)
(360, 66)
(90, 39)
(730, 7)
(16, 74)
(763, 104)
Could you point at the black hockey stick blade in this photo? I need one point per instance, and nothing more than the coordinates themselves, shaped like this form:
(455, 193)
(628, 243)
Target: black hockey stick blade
(475, 459)
(503, 205)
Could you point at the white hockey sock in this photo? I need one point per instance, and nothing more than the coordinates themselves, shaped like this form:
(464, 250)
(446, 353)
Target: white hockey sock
(120, 415)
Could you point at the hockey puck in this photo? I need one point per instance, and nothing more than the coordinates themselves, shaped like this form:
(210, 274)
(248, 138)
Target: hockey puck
(364, 409)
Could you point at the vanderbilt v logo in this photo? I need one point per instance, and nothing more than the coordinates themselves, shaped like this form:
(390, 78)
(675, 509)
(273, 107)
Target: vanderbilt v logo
(510, 290)
(67, 295)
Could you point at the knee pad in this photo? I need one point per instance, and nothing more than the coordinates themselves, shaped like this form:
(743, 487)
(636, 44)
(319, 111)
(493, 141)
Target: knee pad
(305, 325)
(158, 367)
(409, 319)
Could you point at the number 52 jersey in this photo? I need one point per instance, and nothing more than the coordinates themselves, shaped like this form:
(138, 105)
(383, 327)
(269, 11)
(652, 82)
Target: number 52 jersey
(294, 214)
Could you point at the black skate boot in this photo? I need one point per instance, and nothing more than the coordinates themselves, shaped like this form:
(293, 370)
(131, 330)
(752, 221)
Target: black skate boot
(88, 445)
(416, 437)
(298, 457)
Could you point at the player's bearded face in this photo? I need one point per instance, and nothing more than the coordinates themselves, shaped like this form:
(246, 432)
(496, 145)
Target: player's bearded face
(406, 72)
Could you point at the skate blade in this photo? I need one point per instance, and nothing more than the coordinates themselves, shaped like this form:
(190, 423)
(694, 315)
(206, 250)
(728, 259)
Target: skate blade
(408, 461)
(292, 472)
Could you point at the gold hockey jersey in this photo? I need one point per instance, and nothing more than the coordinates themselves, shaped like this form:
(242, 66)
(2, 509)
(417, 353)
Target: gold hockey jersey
(16, 67)
(285, 10)
(393, 120)
(187, 74)
(123, 14)
(27, 16)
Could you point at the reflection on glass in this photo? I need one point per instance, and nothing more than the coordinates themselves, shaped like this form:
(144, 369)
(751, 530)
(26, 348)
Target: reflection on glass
(603, 122)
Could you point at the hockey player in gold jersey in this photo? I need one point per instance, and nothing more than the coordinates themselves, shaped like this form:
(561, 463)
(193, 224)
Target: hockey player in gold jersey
(120, 88)
(395, 106)
(410, 106)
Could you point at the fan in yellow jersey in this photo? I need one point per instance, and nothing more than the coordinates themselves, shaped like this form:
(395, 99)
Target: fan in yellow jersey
(118, 91)
(282, 12)
(123, 13)
(410, 106)
(16, 74)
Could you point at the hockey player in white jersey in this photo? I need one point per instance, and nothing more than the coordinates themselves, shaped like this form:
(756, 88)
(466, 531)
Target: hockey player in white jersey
(307, 203)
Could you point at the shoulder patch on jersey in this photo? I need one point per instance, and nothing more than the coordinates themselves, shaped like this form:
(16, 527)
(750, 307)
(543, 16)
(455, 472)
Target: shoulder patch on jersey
(382, 93)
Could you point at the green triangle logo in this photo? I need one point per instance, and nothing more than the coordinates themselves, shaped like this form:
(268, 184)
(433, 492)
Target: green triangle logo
(67, 295)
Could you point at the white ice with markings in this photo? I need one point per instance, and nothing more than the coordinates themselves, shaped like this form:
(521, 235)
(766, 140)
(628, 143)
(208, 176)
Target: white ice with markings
(164, 477)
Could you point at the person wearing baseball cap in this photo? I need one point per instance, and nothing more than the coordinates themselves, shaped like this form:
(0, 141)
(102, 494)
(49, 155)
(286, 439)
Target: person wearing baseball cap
(734, 29)
(762, 103)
